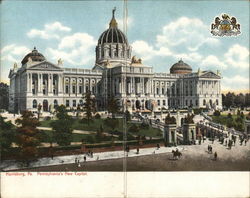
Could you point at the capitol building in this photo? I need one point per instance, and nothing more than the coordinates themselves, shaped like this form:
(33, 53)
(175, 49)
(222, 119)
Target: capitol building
(116, 73)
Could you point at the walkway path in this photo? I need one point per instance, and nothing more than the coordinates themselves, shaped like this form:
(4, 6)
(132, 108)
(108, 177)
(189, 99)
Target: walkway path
(9, 165)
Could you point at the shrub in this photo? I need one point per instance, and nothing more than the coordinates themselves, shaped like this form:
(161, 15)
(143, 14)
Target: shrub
(90, 139)
(47, 118)
(85, 121)
(97, 116)
(229, 115)
(134, 128)
(144, 125)
(216, 113)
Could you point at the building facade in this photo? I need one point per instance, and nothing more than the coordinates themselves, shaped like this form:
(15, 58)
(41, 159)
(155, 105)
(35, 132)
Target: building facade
(115, 74)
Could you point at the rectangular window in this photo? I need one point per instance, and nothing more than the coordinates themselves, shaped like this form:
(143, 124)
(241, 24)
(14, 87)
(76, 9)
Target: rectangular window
(74, 103)
(80, 89)
(74, 89)
(67, 103)
(159, 102)
(164, 102)
(67, 89)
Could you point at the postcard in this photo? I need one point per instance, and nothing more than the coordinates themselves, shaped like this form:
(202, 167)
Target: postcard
(124, 99)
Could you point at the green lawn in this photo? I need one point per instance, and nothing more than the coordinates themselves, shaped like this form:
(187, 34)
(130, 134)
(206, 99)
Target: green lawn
(236, 122)
(95, 125)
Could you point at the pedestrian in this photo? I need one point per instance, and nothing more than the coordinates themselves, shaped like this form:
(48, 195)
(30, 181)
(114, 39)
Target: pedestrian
(137, 151)
(215, 155)
(91, 154)
(97, 157)
(212, 140)
(158, 146)
(245, 142)
(226, 142)
(84, 158)
(208, 148)
(211, 149)
(75, 160)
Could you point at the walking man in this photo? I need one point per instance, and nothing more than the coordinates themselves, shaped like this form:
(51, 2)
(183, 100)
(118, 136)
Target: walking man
(215, 155)
(84, 158)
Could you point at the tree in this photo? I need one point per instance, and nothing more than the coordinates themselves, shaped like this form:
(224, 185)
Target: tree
(39, 108)
(112, 123)
(7, 134)
(113, 106)
(28, 136)
(134, 128)
(4, 96)
(89, 106)
(62, 128)
(127, 115)
(99, 134)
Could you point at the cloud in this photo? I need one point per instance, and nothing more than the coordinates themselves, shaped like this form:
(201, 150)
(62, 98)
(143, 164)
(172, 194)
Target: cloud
(212, 61)
(190, 33)
(237, 56)
(235, 82)
(76, 49)
(147, 52)
(50, 31)
(143, 49)
(13, 52)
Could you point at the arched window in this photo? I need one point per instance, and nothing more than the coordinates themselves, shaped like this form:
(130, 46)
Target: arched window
(55, 103)
(34, 104)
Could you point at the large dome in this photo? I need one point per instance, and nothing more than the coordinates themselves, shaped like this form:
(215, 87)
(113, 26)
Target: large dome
(113, 34)
(112, 48)
(34, 55)
(180, 68)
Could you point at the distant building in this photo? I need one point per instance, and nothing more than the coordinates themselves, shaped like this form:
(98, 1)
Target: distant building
(115, 73)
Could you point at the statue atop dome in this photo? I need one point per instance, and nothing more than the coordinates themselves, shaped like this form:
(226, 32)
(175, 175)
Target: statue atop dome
(113, 23)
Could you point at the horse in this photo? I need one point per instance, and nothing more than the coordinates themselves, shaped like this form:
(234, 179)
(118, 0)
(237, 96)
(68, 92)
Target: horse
(216, 23)
(176, 154)
(234, 24)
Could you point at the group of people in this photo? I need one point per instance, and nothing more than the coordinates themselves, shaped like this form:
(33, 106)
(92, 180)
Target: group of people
(77, 161)
(210, 150)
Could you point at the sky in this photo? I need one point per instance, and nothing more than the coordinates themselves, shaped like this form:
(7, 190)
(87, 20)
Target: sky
(160, 33)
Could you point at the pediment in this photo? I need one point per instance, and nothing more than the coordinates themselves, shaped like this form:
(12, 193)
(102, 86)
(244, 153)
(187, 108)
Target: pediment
(209, 74)
(98, 67)
(45, 66)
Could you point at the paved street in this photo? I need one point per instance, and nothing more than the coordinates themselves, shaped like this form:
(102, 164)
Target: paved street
(194, 158)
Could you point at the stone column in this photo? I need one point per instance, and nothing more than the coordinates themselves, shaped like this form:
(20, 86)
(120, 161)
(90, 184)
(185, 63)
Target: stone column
(170, 137)
(39, 82)
(50, 83)
(28, 82)
(189, 133)
(31, 82)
